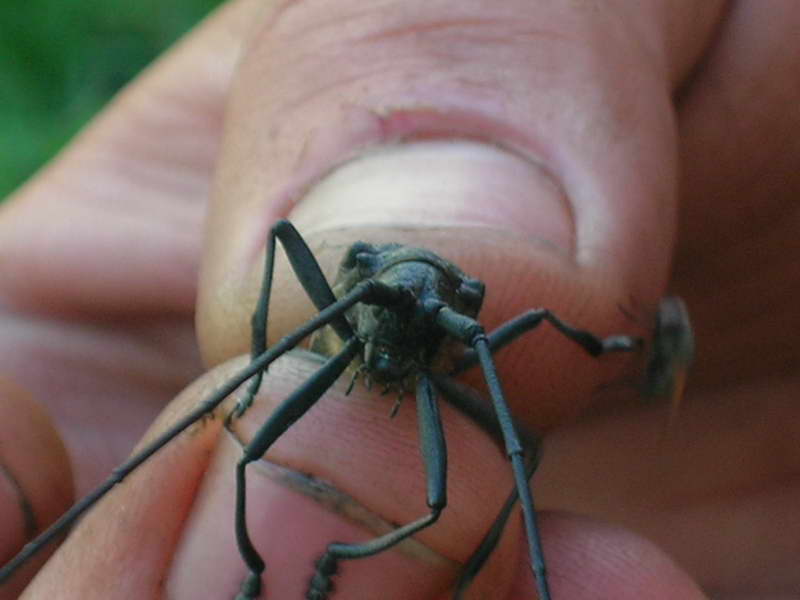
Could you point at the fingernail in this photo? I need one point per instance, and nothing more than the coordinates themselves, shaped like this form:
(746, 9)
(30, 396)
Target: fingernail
(441, 183)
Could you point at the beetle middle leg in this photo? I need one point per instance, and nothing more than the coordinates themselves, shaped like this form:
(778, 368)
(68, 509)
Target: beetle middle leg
(434, 453)
(295, 406)
(670, 355)
(471, 333)
(472, 404)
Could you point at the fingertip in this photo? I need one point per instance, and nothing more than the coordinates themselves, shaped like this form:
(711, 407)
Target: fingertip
(35, 478)
(123, 545)
(589, 559)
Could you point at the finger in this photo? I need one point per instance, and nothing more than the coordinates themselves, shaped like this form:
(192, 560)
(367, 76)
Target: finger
(531, 145)
(560, 222)
(167, 529)
(739, 127)
(114, 223)
(615, 562)
(110, 230)
(305, 494)
(343, 472)
(35, 478)
(122, 548)
(718, 492)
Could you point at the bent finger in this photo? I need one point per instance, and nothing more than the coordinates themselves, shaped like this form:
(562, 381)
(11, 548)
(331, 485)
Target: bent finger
(35, 478)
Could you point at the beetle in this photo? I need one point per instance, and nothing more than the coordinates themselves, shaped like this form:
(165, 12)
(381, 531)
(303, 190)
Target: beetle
(394, 315)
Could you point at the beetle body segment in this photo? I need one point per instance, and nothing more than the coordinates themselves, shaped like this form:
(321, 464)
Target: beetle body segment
(398, 341)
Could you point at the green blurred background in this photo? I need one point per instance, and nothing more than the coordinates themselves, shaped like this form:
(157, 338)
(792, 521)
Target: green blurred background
(62, 60)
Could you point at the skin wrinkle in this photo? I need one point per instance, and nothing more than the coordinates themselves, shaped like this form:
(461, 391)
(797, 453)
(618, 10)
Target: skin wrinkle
(436, 27)
(426, 39)
(459, 37)
(309, 96)
(505, 32)
(441, 48)
(701, 69)
(415, 66)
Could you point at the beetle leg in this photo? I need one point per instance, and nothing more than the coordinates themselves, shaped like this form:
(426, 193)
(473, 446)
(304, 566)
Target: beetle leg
(527, 321)
(472, 404)
(471, 333)
(291, 409)
(434, 453)
(489, 542)
(310, 276)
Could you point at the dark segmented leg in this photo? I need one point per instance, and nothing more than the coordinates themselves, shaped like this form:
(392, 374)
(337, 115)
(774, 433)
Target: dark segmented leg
(310, 276)
(471, 333)
(434, 454)
(489, 542)
(297, 404)
(511, 330)
(469, 402)
(291, 409)
(499, 338)
(472, 404)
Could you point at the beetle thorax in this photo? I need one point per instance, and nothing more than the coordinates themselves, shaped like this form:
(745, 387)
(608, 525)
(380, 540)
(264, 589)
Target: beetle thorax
(398, 340)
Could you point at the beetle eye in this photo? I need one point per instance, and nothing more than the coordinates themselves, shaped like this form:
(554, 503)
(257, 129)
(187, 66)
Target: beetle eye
(470, 293)
(357, 248)
(367, 264)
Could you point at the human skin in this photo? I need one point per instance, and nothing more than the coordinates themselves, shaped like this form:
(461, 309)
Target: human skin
(545, 148)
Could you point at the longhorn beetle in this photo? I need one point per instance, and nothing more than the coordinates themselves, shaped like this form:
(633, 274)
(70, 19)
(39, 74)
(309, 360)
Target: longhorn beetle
(389, 312)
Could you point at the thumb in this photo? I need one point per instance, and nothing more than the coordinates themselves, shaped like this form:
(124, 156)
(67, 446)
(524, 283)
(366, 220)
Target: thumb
(535, 167)
(532, 146)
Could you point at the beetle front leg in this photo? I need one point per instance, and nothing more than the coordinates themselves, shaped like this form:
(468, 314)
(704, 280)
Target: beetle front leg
(310, 276)
(291, 409)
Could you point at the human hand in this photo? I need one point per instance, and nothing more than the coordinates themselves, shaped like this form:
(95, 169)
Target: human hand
(570, 206)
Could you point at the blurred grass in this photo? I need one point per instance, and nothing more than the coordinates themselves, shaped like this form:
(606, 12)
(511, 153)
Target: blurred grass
(62, 60)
